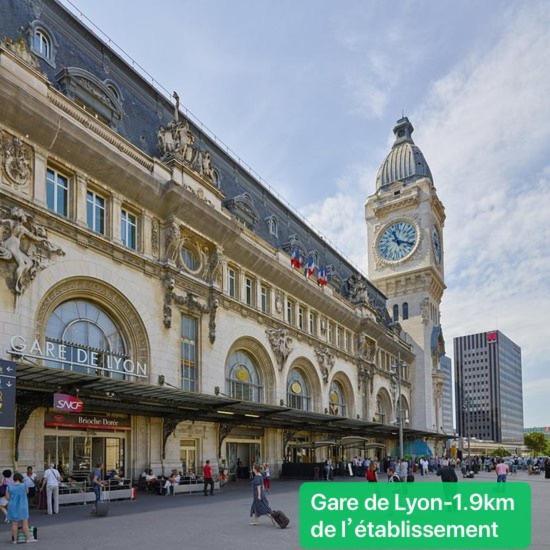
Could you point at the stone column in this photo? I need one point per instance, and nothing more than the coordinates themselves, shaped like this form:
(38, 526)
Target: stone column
(80, 190)
(115, 217)
(147, 224)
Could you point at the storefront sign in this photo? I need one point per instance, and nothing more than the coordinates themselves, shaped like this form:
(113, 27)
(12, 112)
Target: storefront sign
(74, 356)
(86, 421)
(7, 394)
(66, 402)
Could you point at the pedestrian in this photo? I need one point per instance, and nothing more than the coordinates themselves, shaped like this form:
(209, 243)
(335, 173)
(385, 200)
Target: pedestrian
(29, 479)
(370, 474)
(502, 471)
(448, 473)
(547, 468)
(267, 477)
(208, 479)
(260, 504)
(97, 482)
(18, 508)
(403, 469)
(51, 480)
(393, 476)
(6, 482)
(328, 469)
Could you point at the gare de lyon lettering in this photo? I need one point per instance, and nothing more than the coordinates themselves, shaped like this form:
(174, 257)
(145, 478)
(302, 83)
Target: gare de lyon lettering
(71, 354)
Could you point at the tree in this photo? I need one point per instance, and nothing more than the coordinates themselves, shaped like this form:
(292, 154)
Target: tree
(536, 442)
(501, 452)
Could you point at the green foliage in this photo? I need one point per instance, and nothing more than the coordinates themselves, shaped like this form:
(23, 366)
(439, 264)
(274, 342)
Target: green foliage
(500, 452)
(536, 442)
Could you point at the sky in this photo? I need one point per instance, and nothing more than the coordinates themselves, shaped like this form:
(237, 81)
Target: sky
(307, 93)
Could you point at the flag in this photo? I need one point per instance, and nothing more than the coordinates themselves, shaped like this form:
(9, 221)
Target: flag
(322, 279)
(310, 267)
(296, 259)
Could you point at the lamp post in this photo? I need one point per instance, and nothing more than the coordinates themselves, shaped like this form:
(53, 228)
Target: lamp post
(466, 406)
(399, 405)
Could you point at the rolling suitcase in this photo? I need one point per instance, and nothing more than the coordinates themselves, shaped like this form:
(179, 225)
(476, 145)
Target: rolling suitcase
(101, 508)
(280, 519)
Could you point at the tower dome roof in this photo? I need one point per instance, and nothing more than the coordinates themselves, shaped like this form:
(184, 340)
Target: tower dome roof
(405, 162)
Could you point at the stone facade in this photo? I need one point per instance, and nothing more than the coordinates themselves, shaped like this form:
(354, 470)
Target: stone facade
(169, 248)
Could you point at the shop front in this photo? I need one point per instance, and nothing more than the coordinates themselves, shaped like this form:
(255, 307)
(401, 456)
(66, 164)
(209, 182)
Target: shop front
(243, 449)
(77, 443)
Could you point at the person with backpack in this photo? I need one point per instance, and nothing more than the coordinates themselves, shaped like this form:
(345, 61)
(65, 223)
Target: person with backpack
(51, 480)
(6, 482)
(18, 508)
(393, 477)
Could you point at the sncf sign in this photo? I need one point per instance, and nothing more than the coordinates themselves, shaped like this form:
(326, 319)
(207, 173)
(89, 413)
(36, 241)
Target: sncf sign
(67, 403)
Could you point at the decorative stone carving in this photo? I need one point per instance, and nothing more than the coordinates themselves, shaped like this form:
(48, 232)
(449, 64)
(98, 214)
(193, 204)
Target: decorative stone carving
(20, 48)
(366, 349)
(281, 344)
(213, 267)
(365, 377)
(325, 359)
(242, 207)
(361, 293)
(155, 237)
(177, 141)
(17, 160)
(213, 304)
(25, 243)
(279, 302)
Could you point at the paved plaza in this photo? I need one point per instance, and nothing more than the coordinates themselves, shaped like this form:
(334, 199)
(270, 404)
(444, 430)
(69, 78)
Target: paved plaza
(203, 523)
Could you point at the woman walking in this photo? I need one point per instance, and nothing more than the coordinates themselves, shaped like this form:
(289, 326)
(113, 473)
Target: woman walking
(260, 505)
(370, 474)
(18, 508)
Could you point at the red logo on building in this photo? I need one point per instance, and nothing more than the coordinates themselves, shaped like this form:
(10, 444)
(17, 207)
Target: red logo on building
(492, 336)
(68, 403)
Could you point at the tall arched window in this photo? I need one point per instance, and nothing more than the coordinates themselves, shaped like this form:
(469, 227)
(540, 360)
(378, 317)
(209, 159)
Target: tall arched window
(403, 406)
(337, 402)
(42, 44)
(87, 338)
(405, 311)
(395, 313)
(243, 378)
(298, 395)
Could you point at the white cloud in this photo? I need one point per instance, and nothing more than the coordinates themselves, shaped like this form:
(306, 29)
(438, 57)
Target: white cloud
(484, 131)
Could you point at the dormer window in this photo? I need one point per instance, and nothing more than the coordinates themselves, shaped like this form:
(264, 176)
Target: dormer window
(42, 42)
(273, 226)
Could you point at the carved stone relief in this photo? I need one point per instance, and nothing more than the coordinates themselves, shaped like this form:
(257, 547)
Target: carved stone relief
(366, 349)
(425, 310)
(177, 141)
(17, 161)
(155, 237)
(281, 344)
(25, 244)
(326, 360)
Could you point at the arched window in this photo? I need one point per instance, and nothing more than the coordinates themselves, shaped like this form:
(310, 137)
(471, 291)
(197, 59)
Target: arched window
(297, 391)
(86, 338)
(243, 379)
(405, 311)
(42, 44)
(403, 406)
(337, 402)
(395, 313)
(383, 407)
(190, 258)
(273, 226)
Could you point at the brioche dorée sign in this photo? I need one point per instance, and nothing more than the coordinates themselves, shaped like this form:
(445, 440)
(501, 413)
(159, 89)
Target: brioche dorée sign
(86, 421)
(67, 403)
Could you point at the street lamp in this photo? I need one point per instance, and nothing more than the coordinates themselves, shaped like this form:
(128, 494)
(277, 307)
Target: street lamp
(399, 405)
(466, 406)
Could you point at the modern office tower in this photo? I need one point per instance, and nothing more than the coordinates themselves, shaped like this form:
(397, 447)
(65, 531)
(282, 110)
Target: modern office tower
(489, 393)
(445, 364)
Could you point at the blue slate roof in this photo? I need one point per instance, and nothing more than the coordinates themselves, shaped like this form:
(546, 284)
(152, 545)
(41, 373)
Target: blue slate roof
(145, 109)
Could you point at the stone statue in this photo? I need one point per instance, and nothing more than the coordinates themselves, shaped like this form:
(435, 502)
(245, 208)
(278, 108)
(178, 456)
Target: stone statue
(174, 241)
(367, 349)
(17, 160)
(206, 168)
(281, 344)
(25, 243)
(176, 107)
(326, 360)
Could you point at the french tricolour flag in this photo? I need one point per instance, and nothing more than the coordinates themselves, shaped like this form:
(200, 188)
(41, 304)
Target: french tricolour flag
(296, 259)
(322, 279)
(310, 267)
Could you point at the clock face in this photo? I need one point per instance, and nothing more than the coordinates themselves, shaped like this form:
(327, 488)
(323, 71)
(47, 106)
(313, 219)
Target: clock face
(436, 243)
(397, 241)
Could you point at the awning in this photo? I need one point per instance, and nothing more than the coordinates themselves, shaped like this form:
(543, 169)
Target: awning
(36, 383)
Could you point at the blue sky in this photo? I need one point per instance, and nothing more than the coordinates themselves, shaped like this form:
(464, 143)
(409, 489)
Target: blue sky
(307, 93)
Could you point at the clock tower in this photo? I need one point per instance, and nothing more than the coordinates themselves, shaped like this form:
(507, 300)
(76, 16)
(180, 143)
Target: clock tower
(405, 221)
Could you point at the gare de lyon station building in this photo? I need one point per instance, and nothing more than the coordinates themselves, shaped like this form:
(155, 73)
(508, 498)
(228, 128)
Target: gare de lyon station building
(161, 307)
